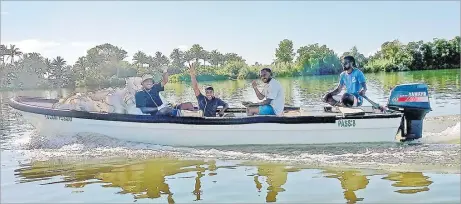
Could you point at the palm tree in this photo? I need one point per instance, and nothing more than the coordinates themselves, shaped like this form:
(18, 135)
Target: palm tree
(215, 57)
(196, 52)
(177, 57)
(13, 52)
(35, 63)
(153, 62)
(57, 70)
(140, 58)
(80, 68)
(161, 59)
(205, 56)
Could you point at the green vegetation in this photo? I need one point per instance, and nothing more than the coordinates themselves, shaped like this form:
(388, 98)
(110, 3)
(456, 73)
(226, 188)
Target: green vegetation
(107, 64)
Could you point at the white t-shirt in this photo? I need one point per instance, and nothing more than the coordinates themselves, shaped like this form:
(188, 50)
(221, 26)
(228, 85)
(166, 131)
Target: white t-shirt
(273, 90)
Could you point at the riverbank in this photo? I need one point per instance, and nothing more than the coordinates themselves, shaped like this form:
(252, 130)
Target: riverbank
(253, 73)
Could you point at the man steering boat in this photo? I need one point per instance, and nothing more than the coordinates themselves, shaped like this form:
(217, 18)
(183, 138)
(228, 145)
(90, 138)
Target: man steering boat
(355, 83)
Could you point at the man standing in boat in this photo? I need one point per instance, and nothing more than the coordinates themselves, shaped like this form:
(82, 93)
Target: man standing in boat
(355, 82)
(273, 94)
(149, 100)
(208, 103)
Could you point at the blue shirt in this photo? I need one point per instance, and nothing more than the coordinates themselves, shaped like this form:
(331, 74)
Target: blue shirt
(352, 81)
(147, 98)
(209, 107)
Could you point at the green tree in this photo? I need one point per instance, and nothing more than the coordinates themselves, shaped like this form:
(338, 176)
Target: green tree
(59, 72)
(80, 73)
(215, 58)
(196, 51)
(414, 50)
(441, 51)
(105, 53)
(285, 52)
(454, 52)
(177, 60)
(205, 56)
(161, 59)
(390, 50)
(428, 57)
(317, 60)
(231, 57)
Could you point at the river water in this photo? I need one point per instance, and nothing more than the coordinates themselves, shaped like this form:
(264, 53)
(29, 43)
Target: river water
(85, 168)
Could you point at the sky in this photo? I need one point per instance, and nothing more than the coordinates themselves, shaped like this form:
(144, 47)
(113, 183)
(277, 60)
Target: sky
(250, 29)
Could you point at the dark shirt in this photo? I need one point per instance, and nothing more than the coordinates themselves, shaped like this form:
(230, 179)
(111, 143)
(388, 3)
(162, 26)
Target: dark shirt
(209, 107)
(143, 98)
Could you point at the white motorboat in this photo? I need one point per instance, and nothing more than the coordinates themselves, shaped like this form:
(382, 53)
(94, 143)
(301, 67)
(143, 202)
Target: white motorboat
(407, 105)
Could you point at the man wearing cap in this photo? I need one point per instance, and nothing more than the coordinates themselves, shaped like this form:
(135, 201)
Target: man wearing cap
(208, 103)
(149, 100)
(274, 102)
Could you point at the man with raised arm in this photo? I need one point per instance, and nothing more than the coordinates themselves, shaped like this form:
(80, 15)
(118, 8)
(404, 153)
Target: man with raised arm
(209, 103)
(149, 100)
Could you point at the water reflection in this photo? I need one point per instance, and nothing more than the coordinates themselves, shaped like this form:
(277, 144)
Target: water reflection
(152, 179)
(416, 181)
(276, 176)
(351, 181)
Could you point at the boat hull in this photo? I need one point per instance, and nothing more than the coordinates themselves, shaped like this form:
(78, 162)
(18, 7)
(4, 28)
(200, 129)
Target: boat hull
(176, 134)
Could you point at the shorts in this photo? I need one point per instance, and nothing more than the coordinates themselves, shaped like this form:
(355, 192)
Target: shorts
(359, 99)
(266, 110)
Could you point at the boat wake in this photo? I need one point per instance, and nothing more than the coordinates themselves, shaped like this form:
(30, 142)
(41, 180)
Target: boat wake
(450, 135)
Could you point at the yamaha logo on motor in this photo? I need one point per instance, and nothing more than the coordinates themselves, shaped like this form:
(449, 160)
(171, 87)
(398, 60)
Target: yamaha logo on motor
(417, 94)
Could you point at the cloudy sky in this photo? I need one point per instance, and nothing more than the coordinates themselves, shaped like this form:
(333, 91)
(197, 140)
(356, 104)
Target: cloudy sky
(251, 29)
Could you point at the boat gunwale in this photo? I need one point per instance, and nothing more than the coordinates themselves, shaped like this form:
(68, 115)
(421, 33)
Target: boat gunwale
(18, 103)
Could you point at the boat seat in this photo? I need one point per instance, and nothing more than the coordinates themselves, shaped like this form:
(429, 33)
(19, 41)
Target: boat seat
(292, 113)
(188, 113)
(351, 111)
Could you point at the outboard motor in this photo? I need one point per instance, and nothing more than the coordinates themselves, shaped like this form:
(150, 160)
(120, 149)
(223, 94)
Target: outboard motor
(413, 101)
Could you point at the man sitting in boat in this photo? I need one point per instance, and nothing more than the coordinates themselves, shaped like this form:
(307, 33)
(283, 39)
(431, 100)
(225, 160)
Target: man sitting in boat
(208, 103)
(273, 94)
(149, 100)
(355, 82)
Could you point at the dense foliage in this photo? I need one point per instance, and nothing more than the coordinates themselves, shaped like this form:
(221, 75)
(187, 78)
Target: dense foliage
(107, 64)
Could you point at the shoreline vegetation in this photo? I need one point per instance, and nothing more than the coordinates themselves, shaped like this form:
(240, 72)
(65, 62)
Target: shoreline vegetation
(106, 64)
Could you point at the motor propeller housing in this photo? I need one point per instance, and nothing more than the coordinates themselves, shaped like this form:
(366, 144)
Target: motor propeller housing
(413, 101)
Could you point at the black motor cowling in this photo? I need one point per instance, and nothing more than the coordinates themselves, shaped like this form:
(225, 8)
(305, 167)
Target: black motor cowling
(413, 101)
